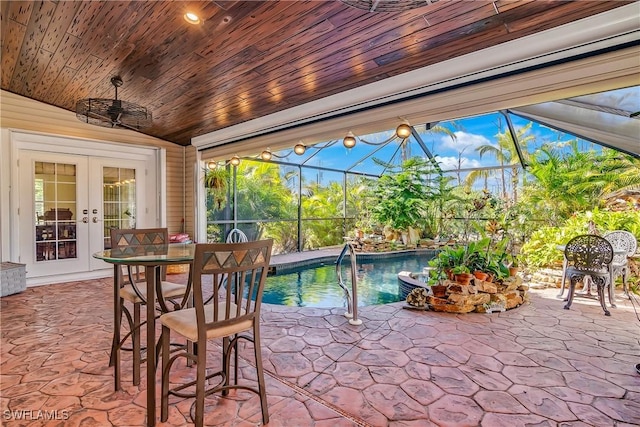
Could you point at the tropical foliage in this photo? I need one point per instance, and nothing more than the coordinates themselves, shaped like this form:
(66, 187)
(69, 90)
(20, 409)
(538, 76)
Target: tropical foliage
(505, 151)
(539, 206)
(576, 181)
(322, 208)
(541, 248)
(398, 199)
(413, 194)
(216, 181)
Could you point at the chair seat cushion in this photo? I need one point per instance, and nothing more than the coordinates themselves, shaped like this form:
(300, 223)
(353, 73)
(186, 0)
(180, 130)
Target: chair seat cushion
(184, 322)
(169, 290)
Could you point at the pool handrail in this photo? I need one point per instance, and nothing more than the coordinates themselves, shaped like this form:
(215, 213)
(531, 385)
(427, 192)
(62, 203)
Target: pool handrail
(352, 299)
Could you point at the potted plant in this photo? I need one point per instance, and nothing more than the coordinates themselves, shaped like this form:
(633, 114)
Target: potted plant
(462, 274)
(449, 258)
(436, 276)
(497, 270)
(216, 181)
(476, 256)
(462, 259)
(513, 265)
(481, 275)
(438, 290)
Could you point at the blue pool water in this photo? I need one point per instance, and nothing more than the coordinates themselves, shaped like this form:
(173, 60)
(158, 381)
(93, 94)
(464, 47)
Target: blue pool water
(318, 286)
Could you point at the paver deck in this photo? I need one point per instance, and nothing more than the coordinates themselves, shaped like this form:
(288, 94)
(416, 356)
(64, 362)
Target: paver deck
(535, 365)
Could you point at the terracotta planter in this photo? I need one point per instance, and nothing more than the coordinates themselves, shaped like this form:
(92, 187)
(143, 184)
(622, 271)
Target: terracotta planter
(449, 273)
(480, 275)
(513, 271)
(464, 278)
(439, 291)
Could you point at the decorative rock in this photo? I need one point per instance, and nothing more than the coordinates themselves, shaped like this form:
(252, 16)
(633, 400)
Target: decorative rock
(436, 301)
(490, 288)
(514, 299)
(481, 308)
(455, 308)
(477, 299)
(537, 285)
(546, 278)
(418, 297)
(501, 287)
(414, 235)
(453, 297)
(499, 298)
(511, 286)
(457, 288)
(493, 307)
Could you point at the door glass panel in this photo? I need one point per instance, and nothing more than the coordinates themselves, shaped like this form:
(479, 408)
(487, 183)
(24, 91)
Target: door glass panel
(55, 209)
(119, 200)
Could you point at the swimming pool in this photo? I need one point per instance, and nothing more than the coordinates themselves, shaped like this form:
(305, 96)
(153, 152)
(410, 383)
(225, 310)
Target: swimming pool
(318, 286)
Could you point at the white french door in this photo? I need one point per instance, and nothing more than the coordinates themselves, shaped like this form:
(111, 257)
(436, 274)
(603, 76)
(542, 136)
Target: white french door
(118, 201)
(69, 202)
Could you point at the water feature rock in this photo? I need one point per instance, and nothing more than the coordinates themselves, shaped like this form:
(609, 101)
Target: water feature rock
(476, 297)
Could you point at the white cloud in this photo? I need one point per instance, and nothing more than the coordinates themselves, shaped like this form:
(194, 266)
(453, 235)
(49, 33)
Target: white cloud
(464, 141)
(450, 162)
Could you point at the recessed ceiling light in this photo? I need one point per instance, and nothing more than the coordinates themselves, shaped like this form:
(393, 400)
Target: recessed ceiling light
(191, 18)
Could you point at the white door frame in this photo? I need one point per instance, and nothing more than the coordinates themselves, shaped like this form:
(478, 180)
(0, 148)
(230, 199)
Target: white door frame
(145, 217)
(27, 235)
(155, 176)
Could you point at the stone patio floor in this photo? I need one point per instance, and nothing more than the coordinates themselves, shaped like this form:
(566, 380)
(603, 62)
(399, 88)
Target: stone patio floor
(536, 365)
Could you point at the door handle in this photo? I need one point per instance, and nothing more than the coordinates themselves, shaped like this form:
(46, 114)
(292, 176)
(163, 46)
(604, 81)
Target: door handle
(95, 220)
(85, 219)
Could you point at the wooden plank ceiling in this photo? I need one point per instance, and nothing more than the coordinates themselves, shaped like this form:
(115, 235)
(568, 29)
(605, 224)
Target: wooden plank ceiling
(246, 59)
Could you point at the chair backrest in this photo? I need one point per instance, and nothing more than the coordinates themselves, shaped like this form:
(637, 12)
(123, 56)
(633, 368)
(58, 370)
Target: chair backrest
(588, 252)
(130, 240)
(236, 236)
(238, 272)
(121, 238)
(622, 240)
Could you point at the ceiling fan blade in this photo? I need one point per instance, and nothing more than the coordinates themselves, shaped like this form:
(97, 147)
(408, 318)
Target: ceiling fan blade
(126, 126)
(94, 115)
(103, 118)
(114, 123)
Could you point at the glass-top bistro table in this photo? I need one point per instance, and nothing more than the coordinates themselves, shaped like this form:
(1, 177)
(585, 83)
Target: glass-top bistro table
(152, 257)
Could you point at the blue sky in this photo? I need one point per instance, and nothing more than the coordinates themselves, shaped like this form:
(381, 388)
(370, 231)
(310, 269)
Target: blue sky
(470, 133)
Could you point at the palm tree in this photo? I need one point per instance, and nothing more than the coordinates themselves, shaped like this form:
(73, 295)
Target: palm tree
(263, 193)
(577, 181)
(506, 153)
(324, 203)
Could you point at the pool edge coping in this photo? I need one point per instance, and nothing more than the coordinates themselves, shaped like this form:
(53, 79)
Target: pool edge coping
(285, 267)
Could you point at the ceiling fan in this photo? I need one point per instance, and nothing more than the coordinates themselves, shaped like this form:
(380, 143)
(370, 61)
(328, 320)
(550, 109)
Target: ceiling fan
(113, 112)
(387, 5)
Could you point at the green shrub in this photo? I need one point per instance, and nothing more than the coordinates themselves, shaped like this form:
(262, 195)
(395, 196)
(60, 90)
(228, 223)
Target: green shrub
(541, 248)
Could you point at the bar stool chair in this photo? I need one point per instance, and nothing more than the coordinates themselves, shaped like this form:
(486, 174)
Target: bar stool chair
(173, 296)
(236, 236)
(237, 272)
(624, 245)
(589, 255)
